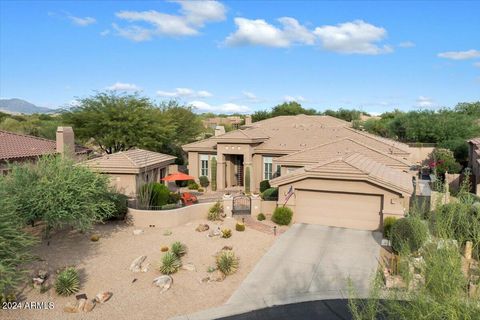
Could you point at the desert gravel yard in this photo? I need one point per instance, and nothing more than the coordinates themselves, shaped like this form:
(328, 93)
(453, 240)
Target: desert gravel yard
(104, 266)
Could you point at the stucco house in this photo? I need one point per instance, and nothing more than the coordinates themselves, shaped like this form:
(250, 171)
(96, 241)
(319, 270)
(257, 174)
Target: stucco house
(474, 162)
(130, 169)
(19, 148)
(340, 176)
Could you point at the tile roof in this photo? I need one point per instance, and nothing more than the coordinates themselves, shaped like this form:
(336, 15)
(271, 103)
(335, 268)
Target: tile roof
(475, 141)
(341, 147)
(129, 161)
(286, 134)
(354, 165)
(18, 146)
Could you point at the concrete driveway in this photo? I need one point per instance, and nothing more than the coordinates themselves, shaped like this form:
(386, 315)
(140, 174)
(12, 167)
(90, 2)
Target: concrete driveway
(311, 262)
(308, 262)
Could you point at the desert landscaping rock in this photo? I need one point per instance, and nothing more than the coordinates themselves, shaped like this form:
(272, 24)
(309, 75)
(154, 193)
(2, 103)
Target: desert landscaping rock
(216, 276)
(103, 297)
(214, 232)
(71, 308)
(227, 248)
(163, 282)
(89, 305)
(136, 265)
(137, 232)
(202, 227)
(189, 267)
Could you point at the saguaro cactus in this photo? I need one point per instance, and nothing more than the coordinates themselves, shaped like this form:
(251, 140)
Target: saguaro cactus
(247, 180)
(214, 174)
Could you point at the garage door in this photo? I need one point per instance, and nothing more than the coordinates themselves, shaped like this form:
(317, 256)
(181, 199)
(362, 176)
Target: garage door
(347, 210)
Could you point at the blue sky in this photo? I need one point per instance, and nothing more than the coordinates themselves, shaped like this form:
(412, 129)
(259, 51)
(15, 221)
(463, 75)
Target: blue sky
(244, 55)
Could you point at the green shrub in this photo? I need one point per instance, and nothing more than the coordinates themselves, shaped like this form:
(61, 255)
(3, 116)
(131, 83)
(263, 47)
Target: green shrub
(227, 262)
(214, 213)
(67, 282)
(226, 233)
(214, 174)
(240, 226)
(247, 180)
(154, 194)
(408, 233)
(192, 185)
(261, 217)
(170, 263)
(282, 216)
(171, 206)
(264, 185)
(174, 198)
(204, 181)
(270, 194)
(387, 226)
(179, 249)
(95, 237)
(121, 205)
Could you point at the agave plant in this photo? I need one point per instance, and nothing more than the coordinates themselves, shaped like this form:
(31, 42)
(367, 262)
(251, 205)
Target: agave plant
(227, 262)
(67, 282)
(170, 263)
(179, 249)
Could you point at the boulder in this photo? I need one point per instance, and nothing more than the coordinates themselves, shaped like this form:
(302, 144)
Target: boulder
(103, 297)
(38, 282)
(189, 267)
(136, 265)
(81, 304)
(214, 232)
(89, 305)
(145, 267)
(216, 276)
(163, 282)
(137, 232)
(70, 308)
(202, 227)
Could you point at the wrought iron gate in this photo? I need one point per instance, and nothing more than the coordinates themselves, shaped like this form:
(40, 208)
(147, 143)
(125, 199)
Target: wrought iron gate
(241, 205)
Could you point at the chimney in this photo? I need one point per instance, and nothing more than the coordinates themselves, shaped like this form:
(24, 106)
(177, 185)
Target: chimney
(65, 141)
(248, 120)
(219, 130)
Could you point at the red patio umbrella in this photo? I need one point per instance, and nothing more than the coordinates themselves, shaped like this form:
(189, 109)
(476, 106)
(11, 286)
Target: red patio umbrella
(178, 176)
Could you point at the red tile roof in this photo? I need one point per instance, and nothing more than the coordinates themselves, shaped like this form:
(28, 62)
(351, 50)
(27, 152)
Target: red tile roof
(16, 146)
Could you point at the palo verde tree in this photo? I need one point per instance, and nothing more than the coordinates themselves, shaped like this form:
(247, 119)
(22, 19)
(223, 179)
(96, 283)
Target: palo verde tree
(61, 194)
(15, 243)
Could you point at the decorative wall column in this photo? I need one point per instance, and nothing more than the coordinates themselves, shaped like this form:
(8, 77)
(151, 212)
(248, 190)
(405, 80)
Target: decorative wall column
(220, 171)
(192, 164)
(228, 205)
(256, 205)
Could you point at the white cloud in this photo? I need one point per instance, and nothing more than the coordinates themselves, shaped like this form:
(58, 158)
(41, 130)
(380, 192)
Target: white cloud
(224, 108)
(260, 32)
(120, 86)
(82, 22)
(292, 98)
(424, 102)
(476, 64)
(460, 55)
(105, 33)
(406, 44)
(184, 93)
(356, 37)
(194, 15)
(249, 95)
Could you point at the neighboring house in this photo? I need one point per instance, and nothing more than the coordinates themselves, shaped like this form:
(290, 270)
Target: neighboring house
(18, 148)
(128, 170)
(474, 162)
(234, 121)
(340, 176)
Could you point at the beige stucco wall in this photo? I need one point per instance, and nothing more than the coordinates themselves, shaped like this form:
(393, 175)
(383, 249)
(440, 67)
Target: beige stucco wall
(268, 206)
(420, 155)
(193, 169)
(124, 183)
(392, 205)
(168, 218)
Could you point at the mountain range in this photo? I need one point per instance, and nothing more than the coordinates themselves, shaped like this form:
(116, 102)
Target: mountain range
(16, 106)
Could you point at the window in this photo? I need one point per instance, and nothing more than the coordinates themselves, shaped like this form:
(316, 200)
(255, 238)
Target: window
(204, 165)
(267, 168)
